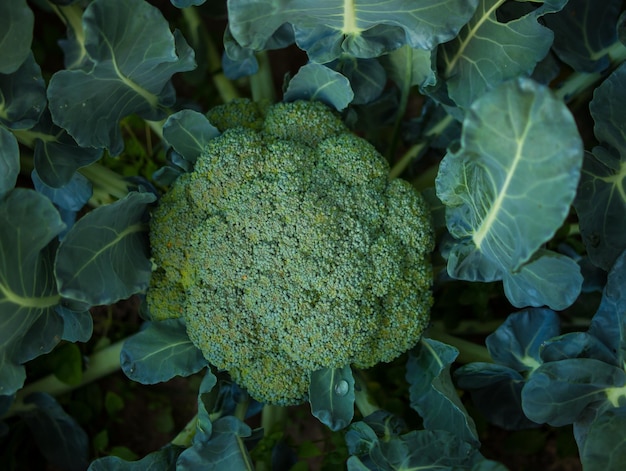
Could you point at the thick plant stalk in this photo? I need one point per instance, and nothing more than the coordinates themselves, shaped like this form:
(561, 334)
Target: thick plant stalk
(100, 364)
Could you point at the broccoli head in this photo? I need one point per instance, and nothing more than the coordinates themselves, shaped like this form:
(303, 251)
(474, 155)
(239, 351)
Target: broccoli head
(289, 250)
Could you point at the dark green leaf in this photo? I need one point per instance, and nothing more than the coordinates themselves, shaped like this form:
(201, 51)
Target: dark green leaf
(9, 161)
(605, 446)
(609, 323)
(326, 29)
(558, 392)
(187, 3)
(331, 394)
(204, 427)
(487, 52)
(16, 34)
(59, 437)
(412, 66)
(601, 200)
(22, 95)
(162, 460)
(549, 279)
(41, 338)
(134, 56)
(366, 76)
(105, 256)
(583, 31)
(432, 393)
(318, 82)
(188, 132)
(77, 326)
(66, 363)
(159, 352)
(517, 342)
(225, 450)
(27, 286)
(496, 391)
(498, 206)
(57, 156)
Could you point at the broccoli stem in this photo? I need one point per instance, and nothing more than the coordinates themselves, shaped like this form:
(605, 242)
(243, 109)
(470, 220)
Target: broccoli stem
(185, 436)
(419, 147)
(72, 16)
(108, 185)
(579, 82)
(200, 40)
(100, 364)
(404, 100)
(362, 399)
(262, 83)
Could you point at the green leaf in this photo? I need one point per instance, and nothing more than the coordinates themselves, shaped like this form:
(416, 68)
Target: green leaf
(609, 323)
(188, 132)
(605, 445)
(432, 393)
(27, 286)
(225, 450)
(59, 437)
(159, 352)
(517, 342)
(134, 55)
(66, 363)
(509, 186)
(601, 199)
(331, 394)
(327, 29)
(558, 392)
(105, 256)
(412, 66)
(318, 82)
(9, 161)
(583, 31)
(22, 95)
(487, 52)
(16, 34)
(77, 326)
(57, 156)
(367, 77)
(534, 283)
(162, 460)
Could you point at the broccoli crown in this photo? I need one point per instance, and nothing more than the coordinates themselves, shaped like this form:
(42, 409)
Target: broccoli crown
(288, 250)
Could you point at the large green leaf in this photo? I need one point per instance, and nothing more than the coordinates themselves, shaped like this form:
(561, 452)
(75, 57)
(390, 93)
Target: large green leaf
(509, 186)
(9, 161)
(583, 31)
(326, 29)
(104, 257)
(59, 437)
(488, 52)
(57, 156)
(22, 96)
(134, 55)
(28, 289)
(601, 199)
(16, 34)
(432, 393)
(605, 445)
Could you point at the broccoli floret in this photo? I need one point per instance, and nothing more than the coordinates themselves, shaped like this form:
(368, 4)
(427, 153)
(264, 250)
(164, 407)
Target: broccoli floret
(288, 250)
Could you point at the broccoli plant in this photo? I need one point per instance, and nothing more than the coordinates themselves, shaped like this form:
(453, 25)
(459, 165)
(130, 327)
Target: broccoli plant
(350, 234)
(288, 250)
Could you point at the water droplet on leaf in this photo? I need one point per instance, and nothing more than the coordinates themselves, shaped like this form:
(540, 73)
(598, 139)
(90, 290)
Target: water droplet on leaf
(341, 388)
